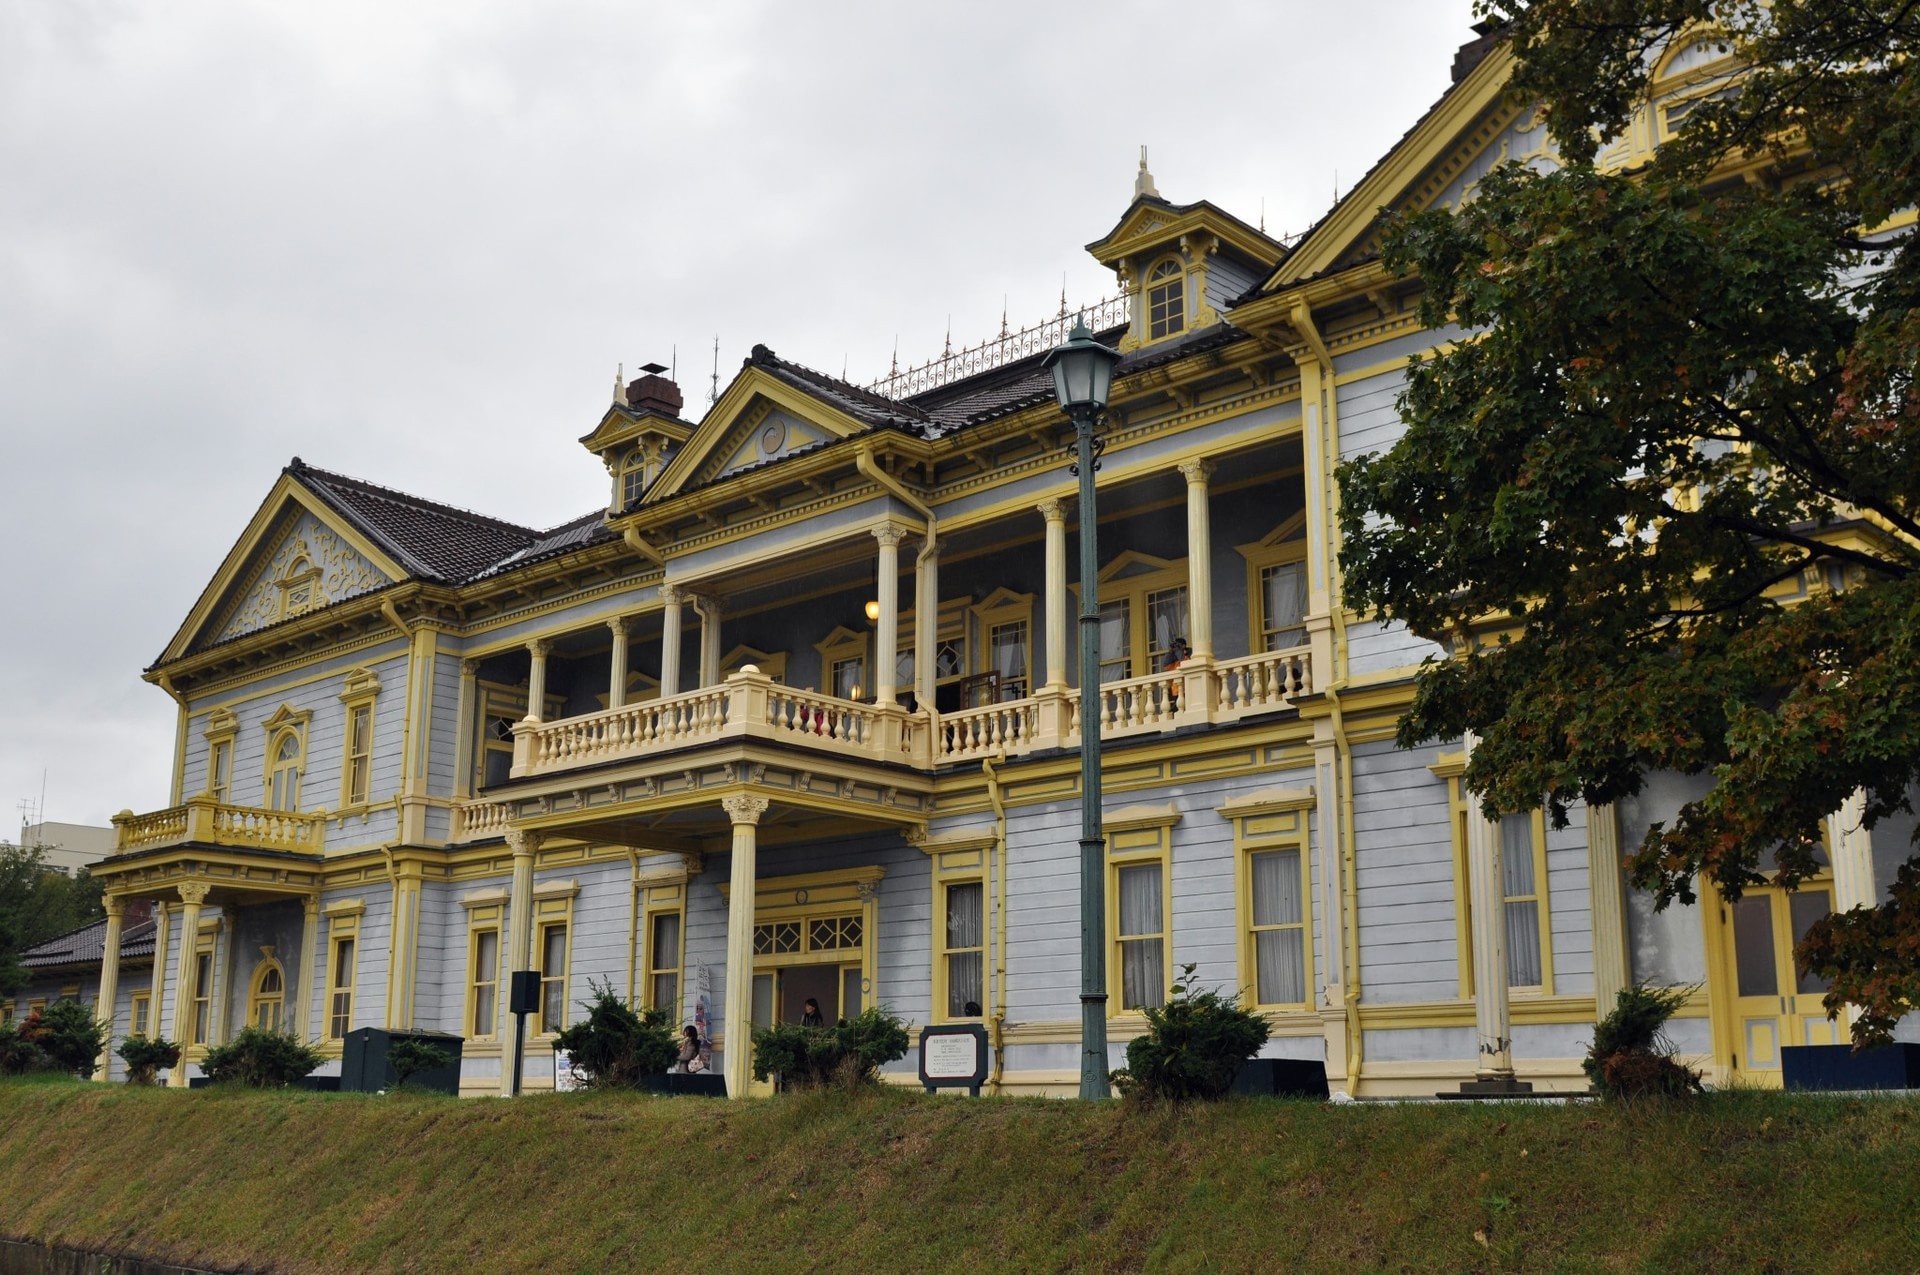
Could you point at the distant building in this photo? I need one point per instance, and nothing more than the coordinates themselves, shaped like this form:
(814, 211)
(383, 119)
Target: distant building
(69, 847)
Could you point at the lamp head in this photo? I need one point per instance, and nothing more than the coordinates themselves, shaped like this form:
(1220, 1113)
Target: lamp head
(1082, 370)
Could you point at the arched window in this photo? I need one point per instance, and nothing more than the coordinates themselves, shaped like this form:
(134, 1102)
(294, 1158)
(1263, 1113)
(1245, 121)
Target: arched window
(1166, 299)
(284, 755)
(633, 478)
(299, 587)
(266, 1004)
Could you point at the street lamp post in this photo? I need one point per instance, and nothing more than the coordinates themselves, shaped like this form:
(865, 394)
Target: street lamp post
(1082, 378)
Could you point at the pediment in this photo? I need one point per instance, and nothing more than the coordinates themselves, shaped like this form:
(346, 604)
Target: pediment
(758, 420)
(1133, 563)
(1151, 225)
(296, 556)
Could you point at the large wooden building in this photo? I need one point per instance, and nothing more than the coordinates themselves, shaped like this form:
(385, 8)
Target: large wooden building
(794, 715)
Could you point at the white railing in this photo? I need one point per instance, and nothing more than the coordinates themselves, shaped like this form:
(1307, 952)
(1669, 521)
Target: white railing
(1141, 703)
(211, 822)
(984, 732)
(619, 732)
(1260, 683)
(811, 714)
(475, 819)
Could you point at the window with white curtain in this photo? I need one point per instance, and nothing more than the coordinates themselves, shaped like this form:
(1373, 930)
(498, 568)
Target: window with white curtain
(1279, 927)
(1283, 605)
(1142, 936)
(964, 948)
(1519, 885)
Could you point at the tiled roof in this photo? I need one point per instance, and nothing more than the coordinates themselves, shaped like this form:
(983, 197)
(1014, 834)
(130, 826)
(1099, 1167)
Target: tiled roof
(432, 541)
(86, 945)
(587, 529)
(861, 404)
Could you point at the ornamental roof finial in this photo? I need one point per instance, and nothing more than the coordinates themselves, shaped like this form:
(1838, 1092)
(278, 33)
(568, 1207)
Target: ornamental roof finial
(1143, 182)
(620, 385)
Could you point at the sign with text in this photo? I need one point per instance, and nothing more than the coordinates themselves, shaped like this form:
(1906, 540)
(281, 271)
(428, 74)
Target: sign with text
(954, 1057)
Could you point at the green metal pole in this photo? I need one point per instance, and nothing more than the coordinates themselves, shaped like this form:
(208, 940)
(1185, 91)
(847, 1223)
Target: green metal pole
(1093, 892)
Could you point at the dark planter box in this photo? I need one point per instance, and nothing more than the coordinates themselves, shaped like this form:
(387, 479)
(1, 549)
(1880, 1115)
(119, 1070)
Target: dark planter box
(364, 1067)
(1818, 1067)
(700, 1084)
(1282, 1077)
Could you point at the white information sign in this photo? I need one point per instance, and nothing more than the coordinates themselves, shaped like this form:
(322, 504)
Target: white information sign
(953, 1057)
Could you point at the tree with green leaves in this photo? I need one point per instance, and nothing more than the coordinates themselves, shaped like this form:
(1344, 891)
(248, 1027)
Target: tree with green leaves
(36, 904)
(1671, 485)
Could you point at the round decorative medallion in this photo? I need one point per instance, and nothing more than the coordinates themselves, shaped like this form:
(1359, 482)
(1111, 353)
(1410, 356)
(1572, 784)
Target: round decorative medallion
(773, 438)
(799, 896)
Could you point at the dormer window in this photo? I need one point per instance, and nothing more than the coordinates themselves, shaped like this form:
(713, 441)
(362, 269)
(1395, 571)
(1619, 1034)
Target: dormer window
(1166, 299)
(633, 478)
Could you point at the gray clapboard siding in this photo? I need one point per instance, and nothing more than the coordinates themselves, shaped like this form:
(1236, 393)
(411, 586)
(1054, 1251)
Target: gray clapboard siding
(1403, 855)
(1570, 904)
(444, 737)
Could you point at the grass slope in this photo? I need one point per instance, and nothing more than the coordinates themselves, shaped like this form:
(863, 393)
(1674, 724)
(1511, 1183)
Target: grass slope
(895, 1181)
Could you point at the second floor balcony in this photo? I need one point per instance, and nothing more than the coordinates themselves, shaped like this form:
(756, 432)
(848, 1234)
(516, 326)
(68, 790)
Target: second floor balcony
(205, 821)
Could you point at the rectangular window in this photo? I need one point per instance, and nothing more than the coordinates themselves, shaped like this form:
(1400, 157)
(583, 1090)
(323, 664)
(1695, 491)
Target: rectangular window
(964, 949)
(138, 1024)
(202, 998)
(1166, 620)
(359, 753)
(220, 770)
(663, 962)
(1519, 888)
(1278, 894)
(553, 977)
(1116, 641)
(1283, 606)
(847, 678)
(1007, 649)
(1142, 935)
(483, 972)
(340, 987)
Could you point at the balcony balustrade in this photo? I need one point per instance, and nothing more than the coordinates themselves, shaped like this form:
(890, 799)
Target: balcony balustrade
(204, 821)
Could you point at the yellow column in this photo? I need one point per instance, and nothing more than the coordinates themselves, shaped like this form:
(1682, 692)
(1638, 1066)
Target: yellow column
(926, 625)
(1486, 890)
(708, 609)
(162, 928)
(109, 980)
(1609, 909)
(745, 812)
(519, 937)
(1850, 847)
(1199, 559)
(1055, 512)
(671, 598)
(538, 649)
(310, 959)
(192, 895)
(887, 637)
(617, 673)
(403, 941)
(463, 744)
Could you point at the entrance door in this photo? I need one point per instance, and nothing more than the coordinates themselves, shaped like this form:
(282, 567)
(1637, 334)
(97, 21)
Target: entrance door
(1773, 1004)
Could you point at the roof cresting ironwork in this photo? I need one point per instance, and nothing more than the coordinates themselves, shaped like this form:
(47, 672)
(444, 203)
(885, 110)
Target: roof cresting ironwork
(998, 351)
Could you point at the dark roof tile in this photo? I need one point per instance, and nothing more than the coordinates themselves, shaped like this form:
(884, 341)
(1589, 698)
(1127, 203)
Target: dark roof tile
(430, 540)
(86, 945)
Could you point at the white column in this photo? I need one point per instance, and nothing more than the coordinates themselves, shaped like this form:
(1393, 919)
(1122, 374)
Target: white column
(310, 959)
(926, 625)
(670, 641)
(708, 609)
(1851, 848)
(1199, 559)
(463, 746)
(1610, 972)
(109, 980)
(745, 812)
(519, 940)
(1055, 512)
(617, 670)
(887, 640)
(192, 895)
(157, 990)
(1486, 891)
(537, 650)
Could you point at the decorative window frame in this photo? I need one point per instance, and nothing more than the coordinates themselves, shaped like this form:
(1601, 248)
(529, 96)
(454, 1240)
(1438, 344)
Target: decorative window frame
(343, 917)
(1136, 836)
(291, 600)
(837, 648)
(772, 664)
(1668, 89)
(357, 694)
(269, 963)
(221, 730)
(486, 913)
(1284, 545)
(655, 894)
(1273, 819)
(952, 616)
(641, 687)
(809, 894)
(197, 1037)
(1452, 768)
(286, 722)
(139, 1013)
(1150, 282)
(958, 860)
(1133, 577)
(552, 905)
(1001, 607)
(498, 699)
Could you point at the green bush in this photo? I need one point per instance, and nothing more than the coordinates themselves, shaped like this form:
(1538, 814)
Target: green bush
(1194, 1047)
(146, 1057)
(18, 1052)
(409, 1057)
(1631, 1056)
(613, 1047)
(71, 1037)
(851, 1052)
(260, 1060)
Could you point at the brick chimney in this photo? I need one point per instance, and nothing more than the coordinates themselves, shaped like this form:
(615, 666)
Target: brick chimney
(654, 392)
(1474, 52)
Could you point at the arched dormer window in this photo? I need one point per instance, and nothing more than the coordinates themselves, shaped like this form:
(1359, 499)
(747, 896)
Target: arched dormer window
(299, 587)
(267, 1001)
(633, 477)
(1166, 291)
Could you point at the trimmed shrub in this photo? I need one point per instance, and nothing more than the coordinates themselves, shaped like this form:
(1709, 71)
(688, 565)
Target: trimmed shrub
(260, 1060)
(18, 1052)
(613, 1047)
(1194, 1047)
(1631, 1056)
(71, 1038)
(851, 1052)
(409, 1057)
(146, 1057)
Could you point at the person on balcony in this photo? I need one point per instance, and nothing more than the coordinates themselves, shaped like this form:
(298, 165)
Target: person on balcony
(810, 1014)
(1177, 653)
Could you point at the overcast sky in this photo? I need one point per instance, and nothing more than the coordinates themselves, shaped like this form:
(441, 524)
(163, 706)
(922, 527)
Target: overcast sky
(410, 241)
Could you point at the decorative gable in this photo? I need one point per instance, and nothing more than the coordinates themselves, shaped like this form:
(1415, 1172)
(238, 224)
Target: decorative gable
(310, 566)
(765, 433)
